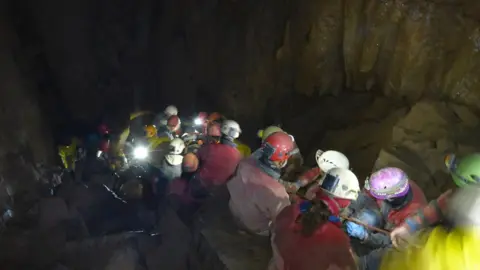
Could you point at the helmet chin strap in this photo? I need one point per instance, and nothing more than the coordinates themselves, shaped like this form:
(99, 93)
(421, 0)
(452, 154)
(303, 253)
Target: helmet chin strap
(399, 202)
(228, 141)
(268, 167)
(282, 164)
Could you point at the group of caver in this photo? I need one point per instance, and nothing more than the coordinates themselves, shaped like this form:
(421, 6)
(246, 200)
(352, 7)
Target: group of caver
(315, 230)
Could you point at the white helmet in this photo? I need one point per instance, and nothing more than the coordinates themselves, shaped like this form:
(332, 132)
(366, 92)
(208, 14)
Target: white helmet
(464, 206)
(341, 183)
(174, 160)
(231, 128)
(177, 146)
(331, 159)
(171, 110)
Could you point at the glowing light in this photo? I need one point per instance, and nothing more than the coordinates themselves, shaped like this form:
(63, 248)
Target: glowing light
(140, 152)
(198, 121)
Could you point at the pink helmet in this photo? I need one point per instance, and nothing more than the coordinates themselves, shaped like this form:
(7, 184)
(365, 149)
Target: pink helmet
(202, 115)
(388, 183)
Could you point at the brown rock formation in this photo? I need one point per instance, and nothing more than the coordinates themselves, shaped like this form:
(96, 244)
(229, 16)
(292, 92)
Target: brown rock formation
(24, 136)
(260, 61)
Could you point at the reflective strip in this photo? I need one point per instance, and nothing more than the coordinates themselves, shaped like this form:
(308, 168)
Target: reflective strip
(422, 218)
(412, 225)
(392, 191)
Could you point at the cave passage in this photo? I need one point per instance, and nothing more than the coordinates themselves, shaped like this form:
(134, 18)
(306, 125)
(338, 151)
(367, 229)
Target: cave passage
(387, 83)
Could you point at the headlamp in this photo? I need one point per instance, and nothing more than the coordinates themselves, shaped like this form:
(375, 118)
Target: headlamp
(198, 121)
(140, 152)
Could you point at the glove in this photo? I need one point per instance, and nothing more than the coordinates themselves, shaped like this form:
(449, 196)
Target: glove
(301, 183)
(356, 230)
(291, 188)
(311, 192)
(334, 219)
(399, 236)
(305, 206)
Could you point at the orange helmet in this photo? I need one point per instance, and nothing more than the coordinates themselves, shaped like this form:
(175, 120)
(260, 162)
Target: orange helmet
(190, 162)
(173, 123)
(215, 116)
(278, 146)
(150, 131)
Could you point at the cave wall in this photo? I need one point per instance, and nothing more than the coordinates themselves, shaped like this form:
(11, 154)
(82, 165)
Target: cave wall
(24, 136)
(259, 52)
(256, 59)
(270, 60)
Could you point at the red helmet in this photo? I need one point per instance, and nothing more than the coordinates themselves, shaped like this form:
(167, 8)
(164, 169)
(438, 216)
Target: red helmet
(173, 122)
(278, 146)
(215, 116)
(103, 129)
(214, 130)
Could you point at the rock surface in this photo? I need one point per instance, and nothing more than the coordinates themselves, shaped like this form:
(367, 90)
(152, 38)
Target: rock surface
(219, 244)
(362, 133)
(24, 136)
(415, 139)
(176, 241)
(250, 58)
(424, 136)
(52, 211)
(122, 251)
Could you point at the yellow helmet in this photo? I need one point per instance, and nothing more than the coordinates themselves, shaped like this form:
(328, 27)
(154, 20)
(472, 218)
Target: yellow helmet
(264, 133)
(150, 131)
(442, 250)
(139, 113)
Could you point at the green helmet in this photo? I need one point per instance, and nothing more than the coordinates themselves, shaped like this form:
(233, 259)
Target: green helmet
(464, 170)
(264, 133)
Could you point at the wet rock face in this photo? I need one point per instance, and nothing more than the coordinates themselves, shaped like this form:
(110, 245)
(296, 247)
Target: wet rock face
(252, 58)
(406, 49)
(424, 136)
(24, 138)
(383, 133)
(263, 62)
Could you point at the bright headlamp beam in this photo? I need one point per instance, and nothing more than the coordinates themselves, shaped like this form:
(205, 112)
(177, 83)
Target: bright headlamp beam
(198, 121)
(140, 152)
